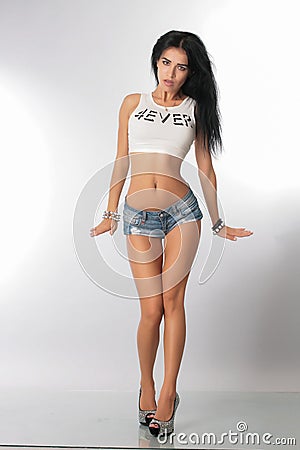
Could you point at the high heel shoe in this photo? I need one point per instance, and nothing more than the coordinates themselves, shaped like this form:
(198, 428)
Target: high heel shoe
(164, 426)
(144, 414)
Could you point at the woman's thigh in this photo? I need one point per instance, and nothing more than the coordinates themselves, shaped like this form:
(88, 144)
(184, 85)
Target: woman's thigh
(146, 259)
(160, 269)
(181, 245)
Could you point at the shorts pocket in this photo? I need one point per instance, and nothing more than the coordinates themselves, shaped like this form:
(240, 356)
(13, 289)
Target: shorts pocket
(134, 219)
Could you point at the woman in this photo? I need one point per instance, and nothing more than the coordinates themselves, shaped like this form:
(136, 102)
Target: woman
(156, 130)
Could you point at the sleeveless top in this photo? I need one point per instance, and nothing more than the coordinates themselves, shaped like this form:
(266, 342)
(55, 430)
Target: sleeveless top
(153, 129)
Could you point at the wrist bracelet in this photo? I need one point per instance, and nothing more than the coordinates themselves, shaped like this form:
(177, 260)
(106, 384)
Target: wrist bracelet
(111, 215)
(218, 222)
(218, 226)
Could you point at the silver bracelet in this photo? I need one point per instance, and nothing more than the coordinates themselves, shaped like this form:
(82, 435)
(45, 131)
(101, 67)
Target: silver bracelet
(111, 215)
(218, 226)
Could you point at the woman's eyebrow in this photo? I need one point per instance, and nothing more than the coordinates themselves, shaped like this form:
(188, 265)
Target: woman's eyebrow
(179, 64)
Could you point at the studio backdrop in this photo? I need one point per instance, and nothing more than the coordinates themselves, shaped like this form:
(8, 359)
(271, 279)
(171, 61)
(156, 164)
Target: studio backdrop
(69, 308)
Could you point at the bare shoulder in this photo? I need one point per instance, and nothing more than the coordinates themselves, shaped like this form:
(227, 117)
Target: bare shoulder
(132, 98)
(130, 102)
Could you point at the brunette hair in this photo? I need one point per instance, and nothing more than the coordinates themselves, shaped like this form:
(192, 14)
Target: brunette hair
(200, 85)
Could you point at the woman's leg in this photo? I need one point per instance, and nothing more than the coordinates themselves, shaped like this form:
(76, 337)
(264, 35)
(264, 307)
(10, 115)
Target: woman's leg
(146, 257)
(181, 245)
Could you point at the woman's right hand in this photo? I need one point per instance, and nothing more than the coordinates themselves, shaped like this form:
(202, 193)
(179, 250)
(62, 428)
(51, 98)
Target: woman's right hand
(104, 226)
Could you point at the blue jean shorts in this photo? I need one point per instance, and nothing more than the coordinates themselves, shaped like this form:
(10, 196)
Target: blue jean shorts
(159, 223)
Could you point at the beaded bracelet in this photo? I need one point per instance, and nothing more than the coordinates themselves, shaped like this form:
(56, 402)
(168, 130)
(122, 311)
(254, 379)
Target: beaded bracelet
(111, 215)
(218, 226)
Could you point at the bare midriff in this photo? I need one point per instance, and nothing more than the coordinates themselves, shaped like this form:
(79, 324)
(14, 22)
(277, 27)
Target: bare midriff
(155, 181)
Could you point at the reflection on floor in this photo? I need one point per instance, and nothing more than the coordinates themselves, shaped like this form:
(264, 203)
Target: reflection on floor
(107, 419)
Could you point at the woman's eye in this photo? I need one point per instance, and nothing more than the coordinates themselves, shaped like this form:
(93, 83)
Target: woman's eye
(165, 62)
(181, 68)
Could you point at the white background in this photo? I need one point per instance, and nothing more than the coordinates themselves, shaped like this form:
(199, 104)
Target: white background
(65, 67)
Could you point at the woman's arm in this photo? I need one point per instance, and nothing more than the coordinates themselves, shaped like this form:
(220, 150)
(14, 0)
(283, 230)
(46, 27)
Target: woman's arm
(121, 164)
(208, 179)
(120, 169)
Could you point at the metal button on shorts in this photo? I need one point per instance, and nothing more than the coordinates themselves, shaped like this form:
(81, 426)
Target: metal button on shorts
(160, 223)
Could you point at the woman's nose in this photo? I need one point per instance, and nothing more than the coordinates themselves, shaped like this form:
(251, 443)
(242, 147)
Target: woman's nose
(171, 72)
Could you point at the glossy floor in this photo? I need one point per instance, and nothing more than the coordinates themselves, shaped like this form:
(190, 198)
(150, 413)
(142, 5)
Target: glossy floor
(105, 419)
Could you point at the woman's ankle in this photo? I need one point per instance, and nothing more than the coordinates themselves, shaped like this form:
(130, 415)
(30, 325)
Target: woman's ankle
(168, 391)
(147, 385)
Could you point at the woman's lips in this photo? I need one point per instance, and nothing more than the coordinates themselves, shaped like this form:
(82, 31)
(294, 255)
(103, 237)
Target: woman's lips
(168, 83)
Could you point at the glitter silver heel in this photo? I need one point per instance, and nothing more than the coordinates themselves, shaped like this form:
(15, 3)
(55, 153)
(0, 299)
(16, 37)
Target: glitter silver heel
(165, 427)
(144, 414)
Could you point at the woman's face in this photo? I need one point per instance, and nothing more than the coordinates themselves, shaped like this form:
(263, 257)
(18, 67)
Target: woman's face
(172, 69)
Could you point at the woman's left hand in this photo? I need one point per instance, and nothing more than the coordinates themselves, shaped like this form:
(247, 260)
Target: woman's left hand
(233, 233)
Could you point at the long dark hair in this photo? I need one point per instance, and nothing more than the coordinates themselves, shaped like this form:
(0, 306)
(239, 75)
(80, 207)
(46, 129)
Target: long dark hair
(200, 85)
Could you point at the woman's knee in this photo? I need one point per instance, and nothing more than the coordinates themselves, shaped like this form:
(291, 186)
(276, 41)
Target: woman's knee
(152, 316)
(173, 300)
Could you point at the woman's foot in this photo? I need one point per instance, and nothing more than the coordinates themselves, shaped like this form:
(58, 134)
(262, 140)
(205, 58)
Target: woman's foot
(165, 408)
(165, 405)
(147, 404)
(159, 426)
(147, 399)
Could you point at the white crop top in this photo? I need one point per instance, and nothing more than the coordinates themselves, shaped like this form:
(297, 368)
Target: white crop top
(153, 129)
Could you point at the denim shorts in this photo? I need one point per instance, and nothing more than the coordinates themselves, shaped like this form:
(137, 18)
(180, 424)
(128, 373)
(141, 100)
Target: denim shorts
(159, 223)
